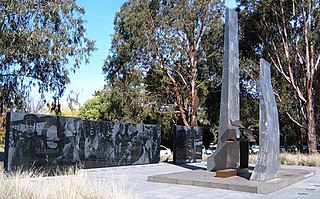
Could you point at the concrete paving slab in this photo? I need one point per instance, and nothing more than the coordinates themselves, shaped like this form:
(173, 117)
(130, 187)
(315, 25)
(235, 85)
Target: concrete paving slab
(204, 178)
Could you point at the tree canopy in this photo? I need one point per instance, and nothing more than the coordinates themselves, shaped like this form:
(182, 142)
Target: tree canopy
(286, 33)
(166, 59)
(167, 45)
(120, 103)
(41, 42)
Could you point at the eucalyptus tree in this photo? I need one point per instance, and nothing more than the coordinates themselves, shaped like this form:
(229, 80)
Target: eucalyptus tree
(166, 44)
(41, 42)
(286, 33)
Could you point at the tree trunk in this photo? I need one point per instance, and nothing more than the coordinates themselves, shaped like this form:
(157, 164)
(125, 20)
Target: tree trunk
(178, 98)
(194, 97)
(285, 143)
(312, 135)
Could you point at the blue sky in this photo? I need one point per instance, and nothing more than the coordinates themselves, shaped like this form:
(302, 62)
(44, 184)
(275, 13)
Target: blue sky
(99, 16)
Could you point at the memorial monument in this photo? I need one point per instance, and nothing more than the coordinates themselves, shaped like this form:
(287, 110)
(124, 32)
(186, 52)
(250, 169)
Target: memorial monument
(187, 144)
(227, 153)
(231, 156)
(53, 143)
(268, 163)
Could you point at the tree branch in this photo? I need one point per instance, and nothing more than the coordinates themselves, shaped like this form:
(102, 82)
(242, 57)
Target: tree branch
(168, 112)
(296, 122)
(317, 62)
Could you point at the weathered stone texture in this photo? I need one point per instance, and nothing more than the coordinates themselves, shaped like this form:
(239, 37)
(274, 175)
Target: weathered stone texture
(227, 154)
(268, 163)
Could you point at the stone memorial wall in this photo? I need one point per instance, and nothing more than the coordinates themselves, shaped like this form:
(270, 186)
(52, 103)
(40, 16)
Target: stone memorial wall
(187, 144)
(50, 142)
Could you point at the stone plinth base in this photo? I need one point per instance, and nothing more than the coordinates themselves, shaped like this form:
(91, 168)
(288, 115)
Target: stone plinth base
(236, 183)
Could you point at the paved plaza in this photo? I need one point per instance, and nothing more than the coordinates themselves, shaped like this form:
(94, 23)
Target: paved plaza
(137, 182)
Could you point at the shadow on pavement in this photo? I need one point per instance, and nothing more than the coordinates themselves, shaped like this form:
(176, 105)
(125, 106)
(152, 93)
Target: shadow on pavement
(191, 166)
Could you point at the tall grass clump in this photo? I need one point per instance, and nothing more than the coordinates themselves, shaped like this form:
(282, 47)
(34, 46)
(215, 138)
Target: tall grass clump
(300, 159)
(297, 159)
(30, 185)
(17, 185)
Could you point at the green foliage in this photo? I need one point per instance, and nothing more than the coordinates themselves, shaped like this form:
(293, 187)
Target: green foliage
(90, 110)
(66, 111)
(121, 103)
(126, 103)
(41, 42)
(286, 33)
(169, 45)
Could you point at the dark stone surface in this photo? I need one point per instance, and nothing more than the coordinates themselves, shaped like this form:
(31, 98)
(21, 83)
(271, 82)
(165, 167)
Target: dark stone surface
(50, 142)
(187, 144)
(244, 153)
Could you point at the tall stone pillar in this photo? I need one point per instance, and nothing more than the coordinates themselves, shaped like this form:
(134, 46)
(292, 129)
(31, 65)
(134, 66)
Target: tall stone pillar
(268, 163)
(227, 153)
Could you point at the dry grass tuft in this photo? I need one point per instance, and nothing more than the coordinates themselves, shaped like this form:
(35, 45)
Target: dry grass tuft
(253, 158)
(297, 159)
(205, 157)
(300, 159)
(34, 185)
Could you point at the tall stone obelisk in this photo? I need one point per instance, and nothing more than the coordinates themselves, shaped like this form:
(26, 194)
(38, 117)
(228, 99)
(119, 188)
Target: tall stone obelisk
(268, 163)
(227, 153)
